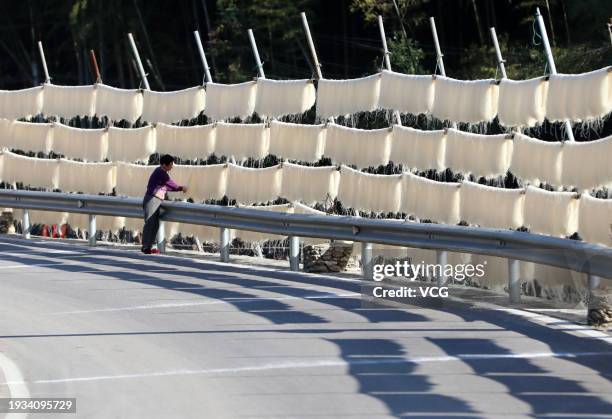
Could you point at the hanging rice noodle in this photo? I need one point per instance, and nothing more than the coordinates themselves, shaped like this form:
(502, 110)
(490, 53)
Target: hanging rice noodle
(30, 171)
(297, 141)
(430, 200)
(309, 184)
(595, 220)
(174, 106)
(345, 97)
(406, 93)
(118, 104)
(131, 144)
(134, 224)
(487, 206)
(465, 101)
(23, 103)
(536, 161)
(417, 149)
(89, 178)
(194, 142)
(254, 236)
(579, 97)
(203, 182)
(299, 208)
(495, 272)
(132, 179)
(522, 102)
(226, 101)
(362, 148)
(276, 98)
(588, 164)
(77, 143)
(26, 136)
(68, 101)
(253, 186)
(48, 218)
(367, 192)
(242, 140)
(481, 155)
(1, 166)
(103, 222)
(553, 213)
(556, 284)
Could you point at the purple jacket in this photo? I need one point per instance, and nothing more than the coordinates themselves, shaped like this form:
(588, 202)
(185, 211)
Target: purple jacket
(160, 183)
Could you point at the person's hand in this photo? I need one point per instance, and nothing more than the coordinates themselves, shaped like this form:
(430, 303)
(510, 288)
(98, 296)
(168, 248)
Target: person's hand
(185, 189)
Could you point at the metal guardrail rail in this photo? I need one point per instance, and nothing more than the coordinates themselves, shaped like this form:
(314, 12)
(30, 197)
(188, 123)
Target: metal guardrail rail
(594, 260)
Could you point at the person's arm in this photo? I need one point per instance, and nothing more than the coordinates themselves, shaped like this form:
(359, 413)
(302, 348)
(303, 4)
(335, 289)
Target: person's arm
(171, 185)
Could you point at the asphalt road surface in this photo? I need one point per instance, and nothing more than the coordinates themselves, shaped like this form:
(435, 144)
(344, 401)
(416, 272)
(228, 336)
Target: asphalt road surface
(134, 336)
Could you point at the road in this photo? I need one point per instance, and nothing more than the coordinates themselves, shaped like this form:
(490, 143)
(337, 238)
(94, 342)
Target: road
(135, 336)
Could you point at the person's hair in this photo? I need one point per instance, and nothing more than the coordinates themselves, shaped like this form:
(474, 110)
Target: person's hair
(166, 159)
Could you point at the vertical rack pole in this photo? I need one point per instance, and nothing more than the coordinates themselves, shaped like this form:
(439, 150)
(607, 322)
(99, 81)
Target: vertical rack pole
(551, 63)
(94, 66)
(500, 60)
(256, 54)
(143, 75)
(383, 38)
(207, 76)
(439, 55)
(44, 62)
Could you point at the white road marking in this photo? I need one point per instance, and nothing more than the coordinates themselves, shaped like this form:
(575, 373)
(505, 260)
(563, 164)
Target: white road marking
(15, 382)
(324, 363)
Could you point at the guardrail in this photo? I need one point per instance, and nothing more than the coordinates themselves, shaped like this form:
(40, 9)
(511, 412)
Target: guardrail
(594, 260)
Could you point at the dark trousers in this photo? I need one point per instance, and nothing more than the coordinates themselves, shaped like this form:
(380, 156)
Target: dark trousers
(151, 206)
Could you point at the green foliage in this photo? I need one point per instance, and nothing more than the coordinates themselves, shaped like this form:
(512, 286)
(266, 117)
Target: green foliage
(407, 56)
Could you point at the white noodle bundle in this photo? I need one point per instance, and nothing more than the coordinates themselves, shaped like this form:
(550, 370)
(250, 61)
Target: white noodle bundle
(174, 106)
(89, 178)
(118, 104)
(26, 136)
(103, 222)
(299, 208)
(134, 224)
(492, 207)
(132, 179)
(68, 101)
(252, 186)
(1, 166)
(522, 102)
(23, 103)
(309, 184)
(276, 98)
(367, 192)
(406, 93)
(131, 144)
(417, 149)
(579, 97)
(242, 140)
(553, 213)
(33, 172)
(588, 164)
(192, 142)
(227, 101)
(430, 200)
(595, 220)
(481, 155)
(536, 161)
(208, 182)
(465, 101)
(77, 143)
(48, 218)
(297, 141)
(254, 236)
(495, 272)
(360, 147)
(345, 97)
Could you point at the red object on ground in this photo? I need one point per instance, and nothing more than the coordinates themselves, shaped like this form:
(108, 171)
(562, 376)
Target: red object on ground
(151, 251)
(45, 231)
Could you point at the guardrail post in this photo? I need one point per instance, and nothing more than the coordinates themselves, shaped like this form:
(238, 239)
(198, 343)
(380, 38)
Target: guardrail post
(441, 261)
(366, 261)
(224, 244)
(514, 284)
(594, 282)
(161, 237)
(92, 229)
(294, 253)
(25, 223)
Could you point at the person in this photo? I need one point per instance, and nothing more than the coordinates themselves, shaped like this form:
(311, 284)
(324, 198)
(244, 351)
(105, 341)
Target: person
(159, 183)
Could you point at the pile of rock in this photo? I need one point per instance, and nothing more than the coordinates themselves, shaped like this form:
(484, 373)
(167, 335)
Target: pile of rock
(333, 257)
(6, 222)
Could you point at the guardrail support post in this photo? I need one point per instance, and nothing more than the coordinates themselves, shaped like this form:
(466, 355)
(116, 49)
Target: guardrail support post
(594, 282)
(367, 269)
(441, 261)
(92, 229)
(161, 237)
(514, 283)
(25, 223)
(224, 244)
(294, 253)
